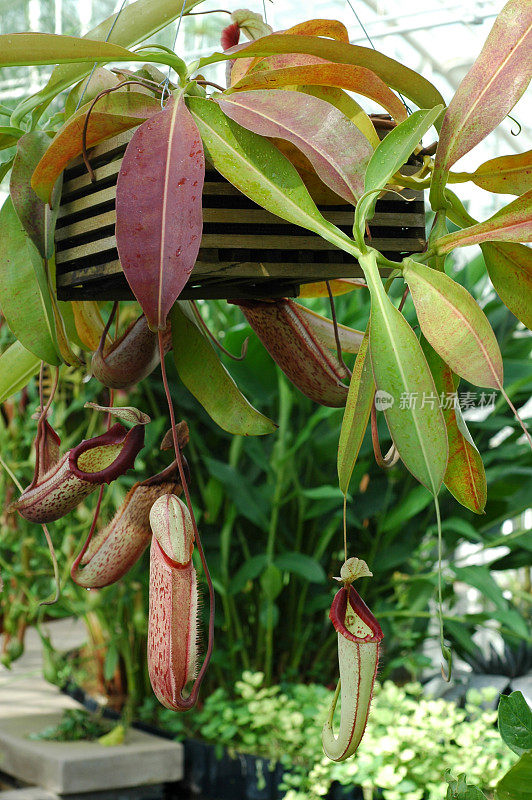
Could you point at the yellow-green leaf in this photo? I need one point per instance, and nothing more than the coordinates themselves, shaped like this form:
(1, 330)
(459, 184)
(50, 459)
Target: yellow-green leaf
(207, 379)
(509, 266)
(455, 325)
(17, 367)
(356, 414)
(403, 378)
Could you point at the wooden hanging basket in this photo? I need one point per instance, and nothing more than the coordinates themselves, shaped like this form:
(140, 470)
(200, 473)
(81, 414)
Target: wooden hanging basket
(246, 252)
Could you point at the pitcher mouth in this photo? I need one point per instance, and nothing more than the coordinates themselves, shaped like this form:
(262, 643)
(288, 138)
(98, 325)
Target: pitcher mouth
(130, 443)
(338, 612)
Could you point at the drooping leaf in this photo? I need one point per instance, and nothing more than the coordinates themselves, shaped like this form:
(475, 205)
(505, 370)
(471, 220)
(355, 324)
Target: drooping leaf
(344, 76)
(111, 115)
(348, 106)
(159, 216)
(492, 86)
(509, 266)
(464, 477)
(302, 565)
(356, 415)
(136, 22)
(261, 172)
(517, 783)
(455, 325)
(24, 295)
(38, 219)
(515, 722)
(513, 223)
(88, 322)
(207, 379)
(26, 49)
(402, 374)
(392, 72)
(331, 28)
(506, 174)
(338, 151)
(394, 151)
(88, 89)
(17, 367)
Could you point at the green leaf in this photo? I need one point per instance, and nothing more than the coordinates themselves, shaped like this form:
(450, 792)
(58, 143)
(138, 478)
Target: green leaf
(356, 414)
(465, 476)
(137, 22)
(26, 49)
(415, 501)
(402, 374)
(17, 367)
(515, 722)
(248, 572)
(111, 662)
(392, 72)
(302, 565)
(37, 218)
(394, 150)
(207, 379)
(460, 790)
(455, 325)
(488, 92)
(246, 497)
(509, 266)
(256, 167)
(271, 582)
(513, 223)
(506, 174)
(24, 294)
(517, 783)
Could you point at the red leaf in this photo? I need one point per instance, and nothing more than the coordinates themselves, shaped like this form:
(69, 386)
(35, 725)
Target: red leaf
(158, 209)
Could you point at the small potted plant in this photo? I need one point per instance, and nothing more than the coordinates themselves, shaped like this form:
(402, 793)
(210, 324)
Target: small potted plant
(286, 135)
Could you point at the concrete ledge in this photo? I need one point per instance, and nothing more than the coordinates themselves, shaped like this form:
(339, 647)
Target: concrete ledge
(75, 767)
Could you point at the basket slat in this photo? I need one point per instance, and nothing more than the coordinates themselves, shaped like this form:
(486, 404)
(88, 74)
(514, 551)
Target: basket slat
(245, 250)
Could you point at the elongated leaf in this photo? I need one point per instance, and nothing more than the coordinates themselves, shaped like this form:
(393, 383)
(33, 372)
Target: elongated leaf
(415, 501)
(207, 379)
(345, 103)
(517, 783)
(261, 172)
(302, 565)
(356, 414)
(112, 114)
(515, 722)
(331, 28)
(401, 372)
(455, 325)
(344, 76)
(464, 477)
(338, 151)
(86, 91)
(392, 72)
(394, 151)
(506, 174)
(37, 218)
(509, 266)
(25, 49)
(513, 223)
(17, 367)
(137, 22)
(24, 297)
(492, 86)
(158, 209)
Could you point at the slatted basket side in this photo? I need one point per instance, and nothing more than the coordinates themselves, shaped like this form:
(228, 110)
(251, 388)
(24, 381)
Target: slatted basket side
(245, 251)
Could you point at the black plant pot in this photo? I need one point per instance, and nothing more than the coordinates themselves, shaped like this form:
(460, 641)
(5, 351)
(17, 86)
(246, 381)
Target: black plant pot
(244, 777)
